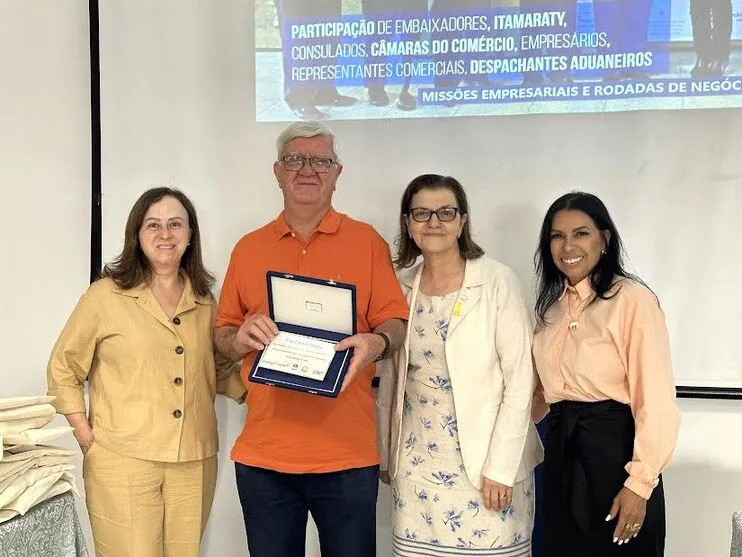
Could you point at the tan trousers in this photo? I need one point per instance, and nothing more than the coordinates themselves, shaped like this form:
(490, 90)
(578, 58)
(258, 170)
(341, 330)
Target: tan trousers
(141, 508)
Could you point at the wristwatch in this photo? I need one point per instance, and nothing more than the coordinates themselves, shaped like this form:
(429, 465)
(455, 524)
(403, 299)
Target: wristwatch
(384, 352)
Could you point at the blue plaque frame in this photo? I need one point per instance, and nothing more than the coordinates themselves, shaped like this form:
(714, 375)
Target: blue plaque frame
(333, 381)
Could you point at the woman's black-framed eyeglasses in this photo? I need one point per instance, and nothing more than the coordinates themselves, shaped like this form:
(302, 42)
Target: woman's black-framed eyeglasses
(444, 214)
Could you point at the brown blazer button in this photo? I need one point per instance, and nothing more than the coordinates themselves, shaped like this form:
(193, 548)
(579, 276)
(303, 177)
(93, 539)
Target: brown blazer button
(176, 320)
(179, 350)
(178, 380)
(177, 413)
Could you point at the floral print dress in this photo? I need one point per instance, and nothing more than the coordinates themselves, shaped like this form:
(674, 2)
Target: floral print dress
(436, 509)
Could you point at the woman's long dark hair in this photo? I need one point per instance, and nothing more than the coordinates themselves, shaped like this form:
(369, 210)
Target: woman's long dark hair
(407, 250)
(602, 277)
(131, 267)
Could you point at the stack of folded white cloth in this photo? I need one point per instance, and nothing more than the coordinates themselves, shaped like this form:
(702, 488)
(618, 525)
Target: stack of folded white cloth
(31, 470)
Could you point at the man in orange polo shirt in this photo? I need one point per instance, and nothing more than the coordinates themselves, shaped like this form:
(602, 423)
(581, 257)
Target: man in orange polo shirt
(299, 453)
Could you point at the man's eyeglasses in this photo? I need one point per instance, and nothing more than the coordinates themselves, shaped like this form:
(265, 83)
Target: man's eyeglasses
(296, 162)
(444, 214)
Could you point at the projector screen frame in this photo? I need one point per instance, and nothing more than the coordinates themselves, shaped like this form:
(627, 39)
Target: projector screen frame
(722, 393)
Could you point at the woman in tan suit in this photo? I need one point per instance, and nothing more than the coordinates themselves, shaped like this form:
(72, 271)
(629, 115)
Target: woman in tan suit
(141, 336)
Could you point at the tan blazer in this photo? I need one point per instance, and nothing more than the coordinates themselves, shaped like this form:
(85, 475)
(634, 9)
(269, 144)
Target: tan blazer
(152, 381)
(488, 351)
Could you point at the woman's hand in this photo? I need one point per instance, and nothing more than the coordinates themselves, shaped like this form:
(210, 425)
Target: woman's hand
(85, 437)
(384, 477)
(630, 509)
(81, 430)
(496, 496)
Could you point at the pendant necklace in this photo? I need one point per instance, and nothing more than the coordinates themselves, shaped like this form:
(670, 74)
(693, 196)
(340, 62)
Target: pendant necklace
(574, 322)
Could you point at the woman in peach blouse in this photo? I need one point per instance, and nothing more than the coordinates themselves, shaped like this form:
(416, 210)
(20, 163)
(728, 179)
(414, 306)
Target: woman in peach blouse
(603, 359)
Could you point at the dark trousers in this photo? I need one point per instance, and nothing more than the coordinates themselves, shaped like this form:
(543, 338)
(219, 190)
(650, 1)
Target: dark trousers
(586, 449)
(295, 11)
(276, 505)
(712, 28)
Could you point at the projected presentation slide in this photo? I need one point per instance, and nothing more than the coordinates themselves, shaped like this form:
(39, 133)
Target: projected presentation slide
(364, 59)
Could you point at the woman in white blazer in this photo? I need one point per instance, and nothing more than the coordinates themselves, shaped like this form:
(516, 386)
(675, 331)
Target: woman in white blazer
(454, 405)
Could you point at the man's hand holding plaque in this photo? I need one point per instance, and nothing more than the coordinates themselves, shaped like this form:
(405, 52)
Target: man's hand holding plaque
(366, 348)
(255, 333)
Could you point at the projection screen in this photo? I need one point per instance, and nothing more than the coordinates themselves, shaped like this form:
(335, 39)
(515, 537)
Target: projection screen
(368, 59)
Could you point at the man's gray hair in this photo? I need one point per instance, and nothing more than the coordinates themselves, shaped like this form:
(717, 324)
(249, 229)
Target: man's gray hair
(308, 129)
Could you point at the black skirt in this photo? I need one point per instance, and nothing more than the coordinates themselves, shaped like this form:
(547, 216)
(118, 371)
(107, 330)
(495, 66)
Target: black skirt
(587, 446)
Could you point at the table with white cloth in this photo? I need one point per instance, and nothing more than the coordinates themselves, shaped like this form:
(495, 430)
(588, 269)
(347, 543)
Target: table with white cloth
(49, 529)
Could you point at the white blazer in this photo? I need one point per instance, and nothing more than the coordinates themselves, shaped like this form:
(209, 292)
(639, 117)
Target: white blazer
(488, 351)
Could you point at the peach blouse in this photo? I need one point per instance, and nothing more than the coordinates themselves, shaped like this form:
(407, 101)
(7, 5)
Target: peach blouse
(613, 349)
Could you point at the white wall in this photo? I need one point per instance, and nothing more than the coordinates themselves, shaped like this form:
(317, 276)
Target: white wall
(703, 486)
(44, 185)
(177, 110)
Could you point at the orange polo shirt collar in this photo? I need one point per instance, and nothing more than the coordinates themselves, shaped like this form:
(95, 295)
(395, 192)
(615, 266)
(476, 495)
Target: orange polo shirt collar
(328, 225)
